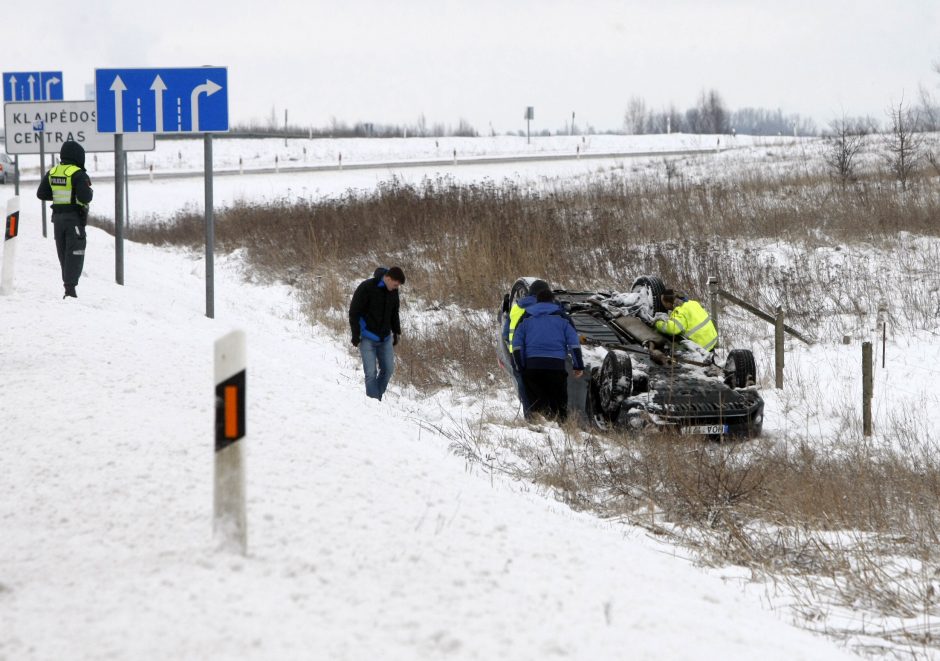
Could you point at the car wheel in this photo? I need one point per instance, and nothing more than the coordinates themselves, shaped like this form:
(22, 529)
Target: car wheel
(740, 370)
(653, 287)
(594, 413)
(519, 290)
(615, 381)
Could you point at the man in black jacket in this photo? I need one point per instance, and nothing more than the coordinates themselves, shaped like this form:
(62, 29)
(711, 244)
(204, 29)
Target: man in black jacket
(373, 319)
(68, 187)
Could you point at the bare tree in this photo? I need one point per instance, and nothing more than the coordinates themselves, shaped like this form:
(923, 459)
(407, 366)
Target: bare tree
(634, 120)
(844, 142)
(904, 142)
(713, 113)
(929, 110)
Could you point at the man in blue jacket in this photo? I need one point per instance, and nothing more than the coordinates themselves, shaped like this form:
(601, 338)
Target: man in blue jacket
(540, 344)
(511, 319)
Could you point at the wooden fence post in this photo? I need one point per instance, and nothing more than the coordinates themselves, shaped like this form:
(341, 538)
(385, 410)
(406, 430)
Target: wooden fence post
(867, 387)
(778, 347)
(713, 287)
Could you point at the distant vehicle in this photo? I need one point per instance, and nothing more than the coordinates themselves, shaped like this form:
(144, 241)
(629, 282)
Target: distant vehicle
(7, 169)
(637, 379)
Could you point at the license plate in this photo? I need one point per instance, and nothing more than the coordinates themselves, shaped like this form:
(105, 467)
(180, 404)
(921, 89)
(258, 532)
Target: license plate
(711, 430)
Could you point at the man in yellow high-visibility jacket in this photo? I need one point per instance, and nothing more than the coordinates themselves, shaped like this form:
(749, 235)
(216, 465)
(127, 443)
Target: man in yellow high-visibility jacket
(687, 319)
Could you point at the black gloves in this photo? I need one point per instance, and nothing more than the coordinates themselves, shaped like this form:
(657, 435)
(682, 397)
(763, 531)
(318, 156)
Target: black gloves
(355, 341)
(395, 337)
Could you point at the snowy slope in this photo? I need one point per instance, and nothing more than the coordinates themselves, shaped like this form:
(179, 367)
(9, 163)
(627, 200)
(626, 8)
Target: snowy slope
(367, 537)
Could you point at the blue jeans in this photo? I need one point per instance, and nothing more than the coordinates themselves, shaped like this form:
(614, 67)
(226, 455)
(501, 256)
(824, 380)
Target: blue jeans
(379, 354)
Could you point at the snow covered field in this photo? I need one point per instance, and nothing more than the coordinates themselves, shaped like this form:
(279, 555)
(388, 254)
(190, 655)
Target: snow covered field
(368, 538)
(163, 197)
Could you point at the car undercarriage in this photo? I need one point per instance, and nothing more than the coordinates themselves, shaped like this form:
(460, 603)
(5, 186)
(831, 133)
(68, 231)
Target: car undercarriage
(638, 379)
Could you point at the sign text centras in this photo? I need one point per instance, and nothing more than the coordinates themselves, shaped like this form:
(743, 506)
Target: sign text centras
(61, 121)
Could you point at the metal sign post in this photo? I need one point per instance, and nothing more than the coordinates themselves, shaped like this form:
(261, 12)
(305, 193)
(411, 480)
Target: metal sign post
(119, 208)
(39, 127)
(16, 175)
(210, 232)
(141, 101)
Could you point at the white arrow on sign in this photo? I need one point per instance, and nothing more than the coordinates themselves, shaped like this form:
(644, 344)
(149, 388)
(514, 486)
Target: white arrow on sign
(49, 83)
(13, 88)
(31, 80)
(209, 88)
(158, 87)
(118, 88)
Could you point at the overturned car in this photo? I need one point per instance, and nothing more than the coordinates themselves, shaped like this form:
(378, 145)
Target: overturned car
(637, 379)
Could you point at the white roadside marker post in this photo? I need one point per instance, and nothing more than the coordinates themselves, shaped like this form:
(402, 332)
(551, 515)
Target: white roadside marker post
(11, 229)
(229, 522)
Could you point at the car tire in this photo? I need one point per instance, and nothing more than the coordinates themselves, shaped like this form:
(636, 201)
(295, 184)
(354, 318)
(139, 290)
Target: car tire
(615, 381)
(740, 369)
(519, 290)
(593, 412)
(653, 287)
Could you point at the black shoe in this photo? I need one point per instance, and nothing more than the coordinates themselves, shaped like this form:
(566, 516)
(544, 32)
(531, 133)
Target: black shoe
(70, 292)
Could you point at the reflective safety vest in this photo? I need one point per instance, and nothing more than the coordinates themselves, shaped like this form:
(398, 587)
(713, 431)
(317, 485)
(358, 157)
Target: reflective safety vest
(515, 314)
(60, 179)
(691, 321)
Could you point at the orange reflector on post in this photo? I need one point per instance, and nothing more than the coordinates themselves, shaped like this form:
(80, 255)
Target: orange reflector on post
(231, 411)
(10, 226)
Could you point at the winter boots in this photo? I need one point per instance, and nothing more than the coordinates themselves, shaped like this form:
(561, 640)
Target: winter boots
(70, 292)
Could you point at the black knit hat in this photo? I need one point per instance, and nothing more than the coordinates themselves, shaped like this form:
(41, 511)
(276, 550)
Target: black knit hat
(538, 286)
(396, 274)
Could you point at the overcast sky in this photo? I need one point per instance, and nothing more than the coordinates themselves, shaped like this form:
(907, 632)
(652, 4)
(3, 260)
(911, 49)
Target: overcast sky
(390, 61)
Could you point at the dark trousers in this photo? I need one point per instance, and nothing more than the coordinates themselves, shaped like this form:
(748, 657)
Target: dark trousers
(547, 392)
(70, 244)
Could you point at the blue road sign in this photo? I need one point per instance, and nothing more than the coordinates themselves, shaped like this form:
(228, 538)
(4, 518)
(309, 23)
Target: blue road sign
(162, 100)
(32, 86)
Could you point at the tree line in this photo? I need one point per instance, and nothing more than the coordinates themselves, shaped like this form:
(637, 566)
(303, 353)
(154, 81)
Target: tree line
(710, 114)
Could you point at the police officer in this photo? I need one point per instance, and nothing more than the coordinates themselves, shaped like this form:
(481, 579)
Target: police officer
(68, 187)
(688, 319)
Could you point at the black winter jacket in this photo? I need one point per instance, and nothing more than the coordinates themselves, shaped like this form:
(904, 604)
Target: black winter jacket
(373, 312)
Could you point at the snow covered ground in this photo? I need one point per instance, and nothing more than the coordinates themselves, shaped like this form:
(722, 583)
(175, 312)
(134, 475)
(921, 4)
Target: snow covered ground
(368, 538)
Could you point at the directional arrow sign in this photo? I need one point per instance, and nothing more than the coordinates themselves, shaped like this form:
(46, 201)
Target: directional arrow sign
(191, 100)
(158, 87)
(32, 86)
